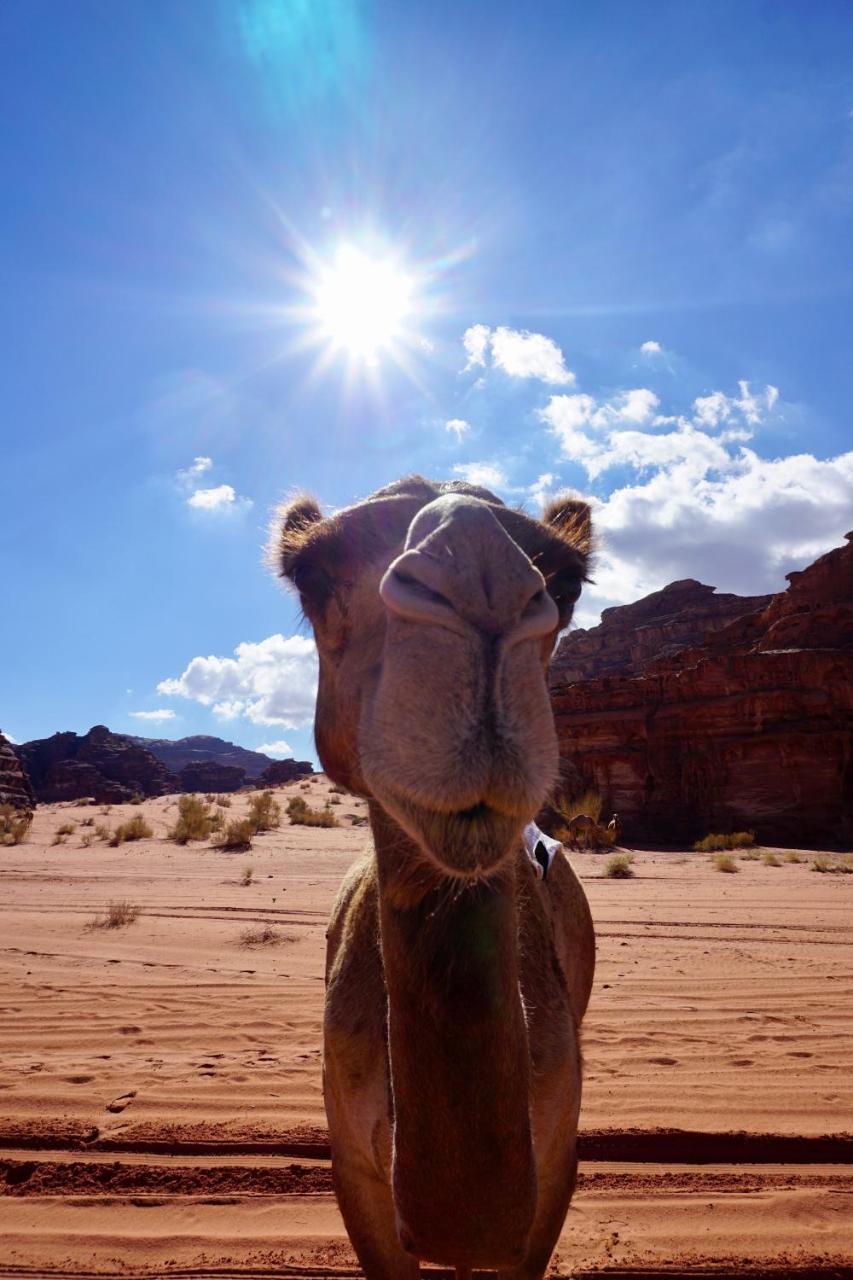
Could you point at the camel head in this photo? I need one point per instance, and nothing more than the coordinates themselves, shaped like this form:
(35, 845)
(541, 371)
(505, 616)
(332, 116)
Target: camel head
(435, 609)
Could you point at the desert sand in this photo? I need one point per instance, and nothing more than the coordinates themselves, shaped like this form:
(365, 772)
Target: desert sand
(160, 1094)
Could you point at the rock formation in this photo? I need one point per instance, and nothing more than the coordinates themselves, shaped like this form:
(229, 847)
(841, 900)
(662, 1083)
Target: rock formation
(15, 786)
(202, 747)
(107, 766)
(283, 771)
(692, 713)
(210, 775)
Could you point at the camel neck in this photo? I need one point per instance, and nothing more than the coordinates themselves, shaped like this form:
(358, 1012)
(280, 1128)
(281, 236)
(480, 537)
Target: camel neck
(463, 1178)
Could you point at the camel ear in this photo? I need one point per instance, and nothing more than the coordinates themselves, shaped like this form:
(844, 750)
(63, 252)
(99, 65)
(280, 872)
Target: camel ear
(291, 526)
(571, 519)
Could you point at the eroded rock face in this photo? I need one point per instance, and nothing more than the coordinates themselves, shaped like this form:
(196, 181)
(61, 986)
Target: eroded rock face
(107, 766)
(208, 775)
(688, 719)
(199, 748)
(283, 771)
(15, 786)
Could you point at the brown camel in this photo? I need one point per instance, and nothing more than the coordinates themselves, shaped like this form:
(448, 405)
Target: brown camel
(456, 982)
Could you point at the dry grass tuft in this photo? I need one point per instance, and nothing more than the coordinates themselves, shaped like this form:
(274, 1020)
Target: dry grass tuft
(246, 875)
(724, 862)
(14, 824)
(301, 814)
(619, 867)
(264, 812)
(118, 914)
(589, 803)
(224, 802)
(731, 840)
(791, 855)
(67, 829)
(770, 859)
(236, 836)
(194, 820)
(263, 936)
(839, 866)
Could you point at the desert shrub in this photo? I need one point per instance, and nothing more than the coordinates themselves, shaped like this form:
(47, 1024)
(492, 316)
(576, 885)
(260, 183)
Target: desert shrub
(86, 840)
(14, 824)
(106, 808)
(589, 803)
(770, 859)
(334, 799)
(136, 828)
(749, 855)
(723, 862)
(237, 835)
(301, 814)
(731, 840)
(137, 797)
(87, 822)
(102, 831)
(358, 819)
(217, 820)
(210, 797)
(262, 936)
(117, 915)
(58, 839)
(619, 867)
(193, 820)
(336, 790)
(246, 875)
(67, 829)
(833, 866)
(264, 811)
(224, 802)
(791, 855)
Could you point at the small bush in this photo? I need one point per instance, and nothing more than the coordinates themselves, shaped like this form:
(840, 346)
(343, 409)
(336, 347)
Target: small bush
(86, 840)
(87, 822)
(303, 815)
(263, 936)
(359, 820)
(770, 859)
(118, 914)
(58, 839)
(210, 797)
(749, 855)
(246, 875)
(732, 840)
(136, 828)
(791, 855)
(193, 820)
(106, 808)
(334, 799)
(14, 824)
(336, 790)
(137, 797)
(237, 835)
(723, 862)
(832, 866)
(67, 829)
(589, 803)
(102, 832)
(217, 820)
(264, 811)
(619, 867)
(224, 802)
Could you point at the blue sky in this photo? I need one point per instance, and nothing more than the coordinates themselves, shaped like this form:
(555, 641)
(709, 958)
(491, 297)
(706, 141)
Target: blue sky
(626, 233)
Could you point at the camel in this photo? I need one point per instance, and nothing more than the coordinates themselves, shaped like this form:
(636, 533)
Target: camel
(578, 829)
(456, 981)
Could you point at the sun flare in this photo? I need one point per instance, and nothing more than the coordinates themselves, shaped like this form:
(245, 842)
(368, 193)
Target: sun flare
(362, 303)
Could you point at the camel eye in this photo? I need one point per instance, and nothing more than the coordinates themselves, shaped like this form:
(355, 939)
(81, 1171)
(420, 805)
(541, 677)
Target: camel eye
(564, 591)
(312, 582)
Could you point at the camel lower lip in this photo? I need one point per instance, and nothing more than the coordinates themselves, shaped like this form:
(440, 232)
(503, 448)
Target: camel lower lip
(463, 842)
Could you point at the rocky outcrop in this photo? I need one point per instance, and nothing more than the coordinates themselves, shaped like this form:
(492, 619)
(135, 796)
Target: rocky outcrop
(107, 766)
(209, 775)
(200, 748)
(284, 771)
(688, 720)
(15, 786)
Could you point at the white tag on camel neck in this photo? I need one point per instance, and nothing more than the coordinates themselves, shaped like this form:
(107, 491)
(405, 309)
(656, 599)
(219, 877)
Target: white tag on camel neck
(540, 849)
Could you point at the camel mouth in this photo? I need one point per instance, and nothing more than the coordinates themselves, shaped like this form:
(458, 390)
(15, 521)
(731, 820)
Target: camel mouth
(466, 843)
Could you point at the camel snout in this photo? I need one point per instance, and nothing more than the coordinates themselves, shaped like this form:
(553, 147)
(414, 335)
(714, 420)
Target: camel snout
(461, 570)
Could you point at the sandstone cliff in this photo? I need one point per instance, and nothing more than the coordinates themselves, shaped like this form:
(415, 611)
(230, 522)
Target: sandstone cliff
(284, 771)
(200, 748)
(107, 766)
(15, 786)
(691, 712)
(210, 775)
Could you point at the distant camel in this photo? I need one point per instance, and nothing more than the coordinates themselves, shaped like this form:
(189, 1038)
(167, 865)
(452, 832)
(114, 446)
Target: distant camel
(456, 980)
(578, 828)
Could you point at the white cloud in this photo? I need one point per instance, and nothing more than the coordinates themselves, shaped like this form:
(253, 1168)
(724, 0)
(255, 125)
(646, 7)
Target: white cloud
(529, 355)
(220, 498)
(476, 343)
(273, 681)
(154, 716)
(651, 348)
(199, 465)
(458, 426)
(489, 475)
(188, 476)
(634, 406)
(544, 488)
(279, 749)
(517, 353)
(717, 408)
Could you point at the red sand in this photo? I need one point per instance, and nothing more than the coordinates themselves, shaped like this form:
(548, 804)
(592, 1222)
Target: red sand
(160, 1104)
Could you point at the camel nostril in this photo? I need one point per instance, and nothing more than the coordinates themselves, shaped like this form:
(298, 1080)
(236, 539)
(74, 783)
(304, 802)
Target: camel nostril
(420, 589)
(534, 604)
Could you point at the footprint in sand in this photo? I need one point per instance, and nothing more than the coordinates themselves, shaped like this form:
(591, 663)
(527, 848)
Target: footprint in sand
(79, 1079)
(130, 1030)
(118, 1104)
(741, 1062)
(664, 1062)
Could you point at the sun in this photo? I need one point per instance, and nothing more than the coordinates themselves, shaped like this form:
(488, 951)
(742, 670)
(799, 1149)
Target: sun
(361, 304)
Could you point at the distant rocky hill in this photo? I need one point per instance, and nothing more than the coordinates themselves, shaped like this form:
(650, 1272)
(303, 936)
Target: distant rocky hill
(15, 786)
(202, 748)
(110, 767)
(691, 712)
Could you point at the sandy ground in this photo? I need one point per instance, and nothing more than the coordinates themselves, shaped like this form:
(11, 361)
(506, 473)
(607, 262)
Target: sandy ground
(160, 1102)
